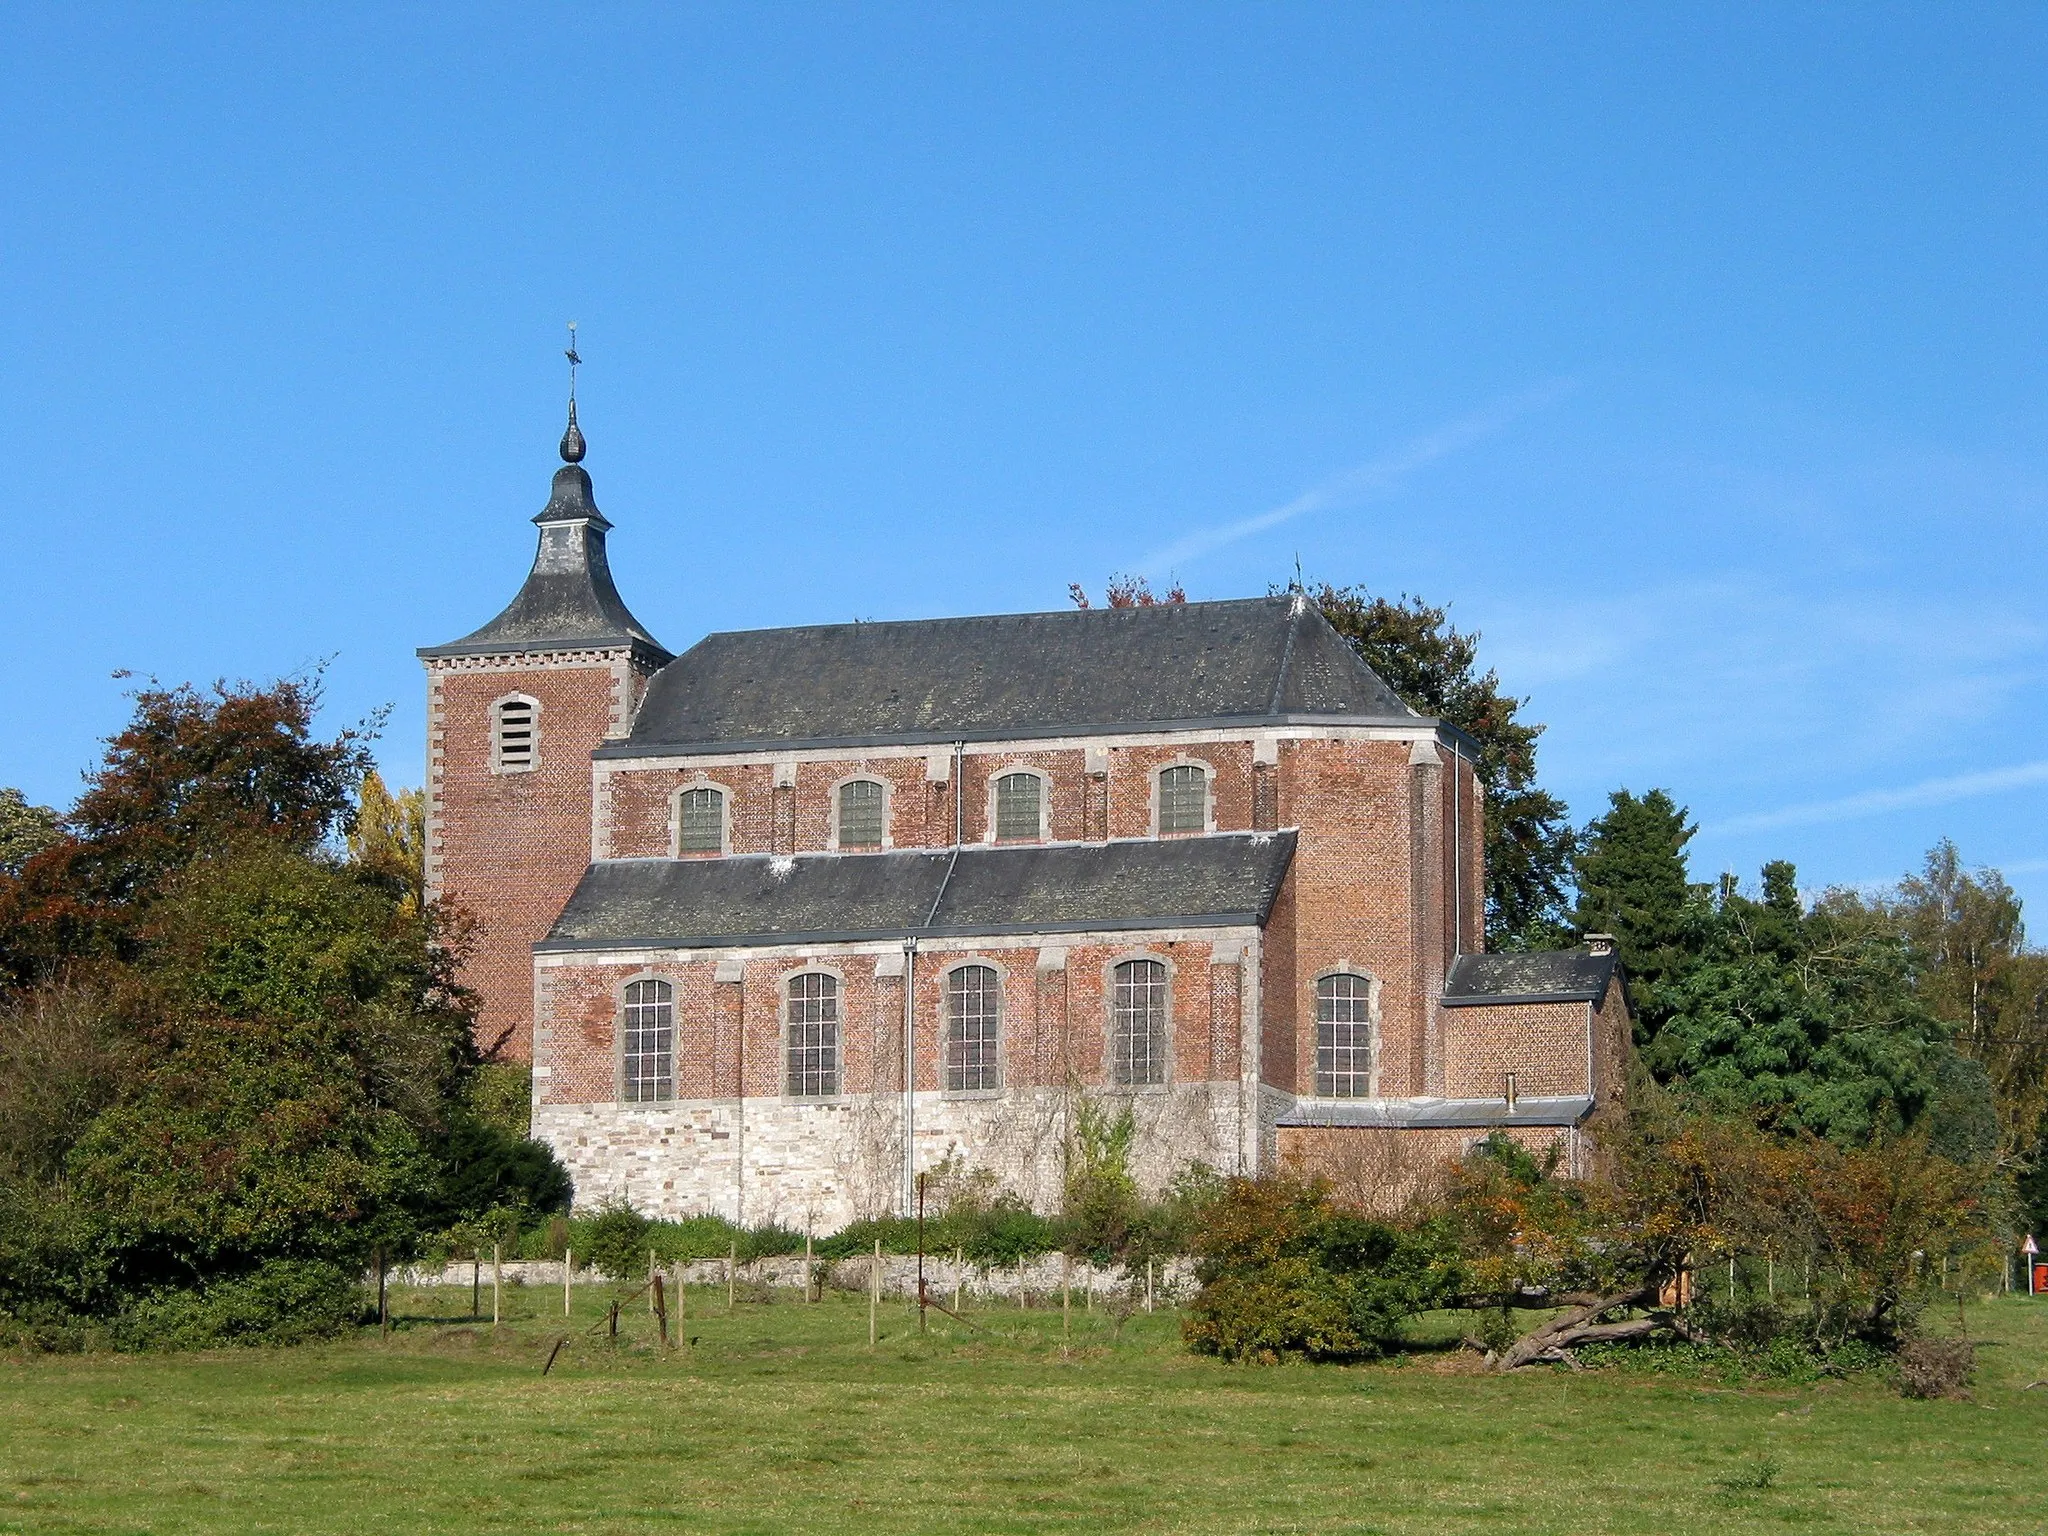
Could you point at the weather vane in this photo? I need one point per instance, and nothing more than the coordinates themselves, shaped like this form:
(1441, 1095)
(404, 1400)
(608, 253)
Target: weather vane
(573, 361)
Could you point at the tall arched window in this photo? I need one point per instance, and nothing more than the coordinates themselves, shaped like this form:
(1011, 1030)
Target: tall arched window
(1184, 798)
(862, 813)
(700, 821)
(813, 1035)
(1138, 1024)
(648, 1043)
(1344, 1037)
(1020, 807)
(974, 1013)
(515, 735)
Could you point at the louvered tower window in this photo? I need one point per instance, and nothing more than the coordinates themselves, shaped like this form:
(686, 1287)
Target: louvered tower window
(515, 735)
(1137, 1030)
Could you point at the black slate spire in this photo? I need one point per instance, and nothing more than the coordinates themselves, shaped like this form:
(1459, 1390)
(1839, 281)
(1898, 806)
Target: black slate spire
(569, 601)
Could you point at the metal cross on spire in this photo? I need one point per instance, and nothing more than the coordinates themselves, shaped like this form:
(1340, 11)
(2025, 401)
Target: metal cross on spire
(572, 440)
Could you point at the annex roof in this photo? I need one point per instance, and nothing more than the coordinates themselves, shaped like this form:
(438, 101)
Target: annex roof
(1542, 976)
(1225, 880)
(1440, 1114)
(1270, 659)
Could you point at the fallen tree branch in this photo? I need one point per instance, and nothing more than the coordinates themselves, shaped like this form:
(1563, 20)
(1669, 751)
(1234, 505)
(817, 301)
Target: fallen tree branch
(1581, 1325)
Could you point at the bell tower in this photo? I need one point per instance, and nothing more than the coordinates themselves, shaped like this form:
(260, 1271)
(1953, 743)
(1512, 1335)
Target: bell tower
(514, 711)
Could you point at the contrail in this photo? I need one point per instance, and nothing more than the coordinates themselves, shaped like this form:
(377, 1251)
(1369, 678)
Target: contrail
(1875, 802)
(1357, 483)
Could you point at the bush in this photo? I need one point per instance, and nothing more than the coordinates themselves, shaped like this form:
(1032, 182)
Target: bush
(284, 1302)
(615, 1242)
(1284, 1272)
(1936, 1367)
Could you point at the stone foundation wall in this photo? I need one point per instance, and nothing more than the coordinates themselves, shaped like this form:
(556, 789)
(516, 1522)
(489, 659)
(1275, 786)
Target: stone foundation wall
(818, 1166)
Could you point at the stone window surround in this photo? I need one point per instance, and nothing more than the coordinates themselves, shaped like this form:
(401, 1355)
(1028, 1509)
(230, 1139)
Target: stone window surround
(945, 983)
(782, 981)
(498, 765)
(888, 813)
(1373, 990)
(619, 1040)
(995, 777)
(675, 819)
(1109, 1082)
(1208, 794)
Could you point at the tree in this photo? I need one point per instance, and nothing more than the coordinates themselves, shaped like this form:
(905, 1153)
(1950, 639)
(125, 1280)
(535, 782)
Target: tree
(389, 838)
(1434, 667)
(1630, 865)
(25, 830)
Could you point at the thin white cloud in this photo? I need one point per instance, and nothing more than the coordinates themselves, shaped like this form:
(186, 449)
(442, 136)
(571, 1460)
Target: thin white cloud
(1876, 802)
(1363, 480)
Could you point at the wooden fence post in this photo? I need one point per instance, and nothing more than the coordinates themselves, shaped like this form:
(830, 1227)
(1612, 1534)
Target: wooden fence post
(874, 1293)
(810, 1276)
(660, 1307)
(383, 1307)
(497, 1282)
(1066, 1295)
(1148, 1285)
(732, 1260)
(568, 1269)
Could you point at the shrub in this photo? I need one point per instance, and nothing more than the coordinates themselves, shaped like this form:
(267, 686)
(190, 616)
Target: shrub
(615, 1241)
(284, 1302)
(1936, 1367)
(1284, 1272)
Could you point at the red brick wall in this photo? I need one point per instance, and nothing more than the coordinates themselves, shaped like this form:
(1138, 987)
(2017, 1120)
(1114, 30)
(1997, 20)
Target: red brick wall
(510, 847)
(1543, 1044)
(1053, 1023)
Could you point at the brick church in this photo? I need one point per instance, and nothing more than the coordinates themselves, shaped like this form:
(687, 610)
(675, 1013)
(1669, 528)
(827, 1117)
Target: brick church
(788, 918)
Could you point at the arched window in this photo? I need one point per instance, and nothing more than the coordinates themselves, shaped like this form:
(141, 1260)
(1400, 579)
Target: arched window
(515, 735)
(1137, 1032)
(1344, 1037)
(648, 1043)
(1020, 807)
(700, 821)
(974, 1012)
(813, 1035)
(863, 813)
(1184, 798)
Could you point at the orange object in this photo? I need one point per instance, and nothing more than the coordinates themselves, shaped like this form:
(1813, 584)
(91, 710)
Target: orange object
(2041, 1279)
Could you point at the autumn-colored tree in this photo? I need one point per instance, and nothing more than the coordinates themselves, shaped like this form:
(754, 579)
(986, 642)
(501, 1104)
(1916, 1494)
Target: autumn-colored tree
(389, 839)
(1127, 592)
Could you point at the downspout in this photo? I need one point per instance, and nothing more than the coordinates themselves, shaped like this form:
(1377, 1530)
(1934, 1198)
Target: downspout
(1457, 855)
(910, 992)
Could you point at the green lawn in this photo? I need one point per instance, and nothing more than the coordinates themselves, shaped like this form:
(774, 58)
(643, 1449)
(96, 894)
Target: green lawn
(779, 1418)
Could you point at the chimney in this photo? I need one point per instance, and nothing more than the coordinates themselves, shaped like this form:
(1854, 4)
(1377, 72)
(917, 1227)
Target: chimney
(1600, 943)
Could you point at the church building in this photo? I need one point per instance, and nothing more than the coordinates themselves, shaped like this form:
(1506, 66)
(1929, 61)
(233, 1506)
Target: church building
(784, 920)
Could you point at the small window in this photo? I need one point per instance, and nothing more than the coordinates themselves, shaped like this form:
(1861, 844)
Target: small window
(1184, 799)
(861, 814)
(814, 1035)
(515, 735)
(700, 821)
(1018, 803)
(649, 1040)
(1344, 1037)
(974, 1006)
(1138, 1024)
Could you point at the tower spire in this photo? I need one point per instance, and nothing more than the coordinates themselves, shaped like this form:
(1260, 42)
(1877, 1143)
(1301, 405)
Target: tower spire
(572, 440)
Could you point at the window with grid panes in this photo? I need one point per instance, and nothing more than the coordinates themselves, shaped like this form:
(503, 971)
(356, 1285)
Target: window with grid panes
(1018, 800)
(515, 740)
(1184, 799)
(648, 1038)
(700, 821)
(1138, 1017)
(861, 814)
(974, 1008)
(1344, 1037)
(813, 1035)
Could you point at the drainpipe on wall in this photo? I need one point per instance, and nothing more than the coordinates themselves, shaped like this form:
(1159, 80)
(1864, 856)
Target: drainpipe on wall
(909, 1190)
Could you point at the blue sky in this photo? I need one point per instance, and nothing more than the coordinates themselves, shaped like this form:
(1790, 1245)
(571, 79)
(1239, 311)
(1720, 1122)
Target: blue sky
(1696, 357)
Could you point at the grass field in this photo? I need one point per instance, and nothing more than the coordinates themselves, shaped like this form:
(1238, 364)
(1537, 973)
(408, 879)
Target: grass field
(780, 1418)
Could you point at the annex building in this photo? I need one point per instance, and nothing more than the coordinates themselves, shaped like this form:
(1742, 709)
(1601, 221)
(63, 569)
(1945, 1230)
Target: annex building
(789, 917)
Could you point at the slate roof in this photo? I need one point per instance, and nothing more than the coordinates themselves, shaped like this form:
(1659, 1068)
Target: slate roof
(1545, 976)
(569, 601)
(1225, 880)
(1441, 1114)
(1008, 676)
